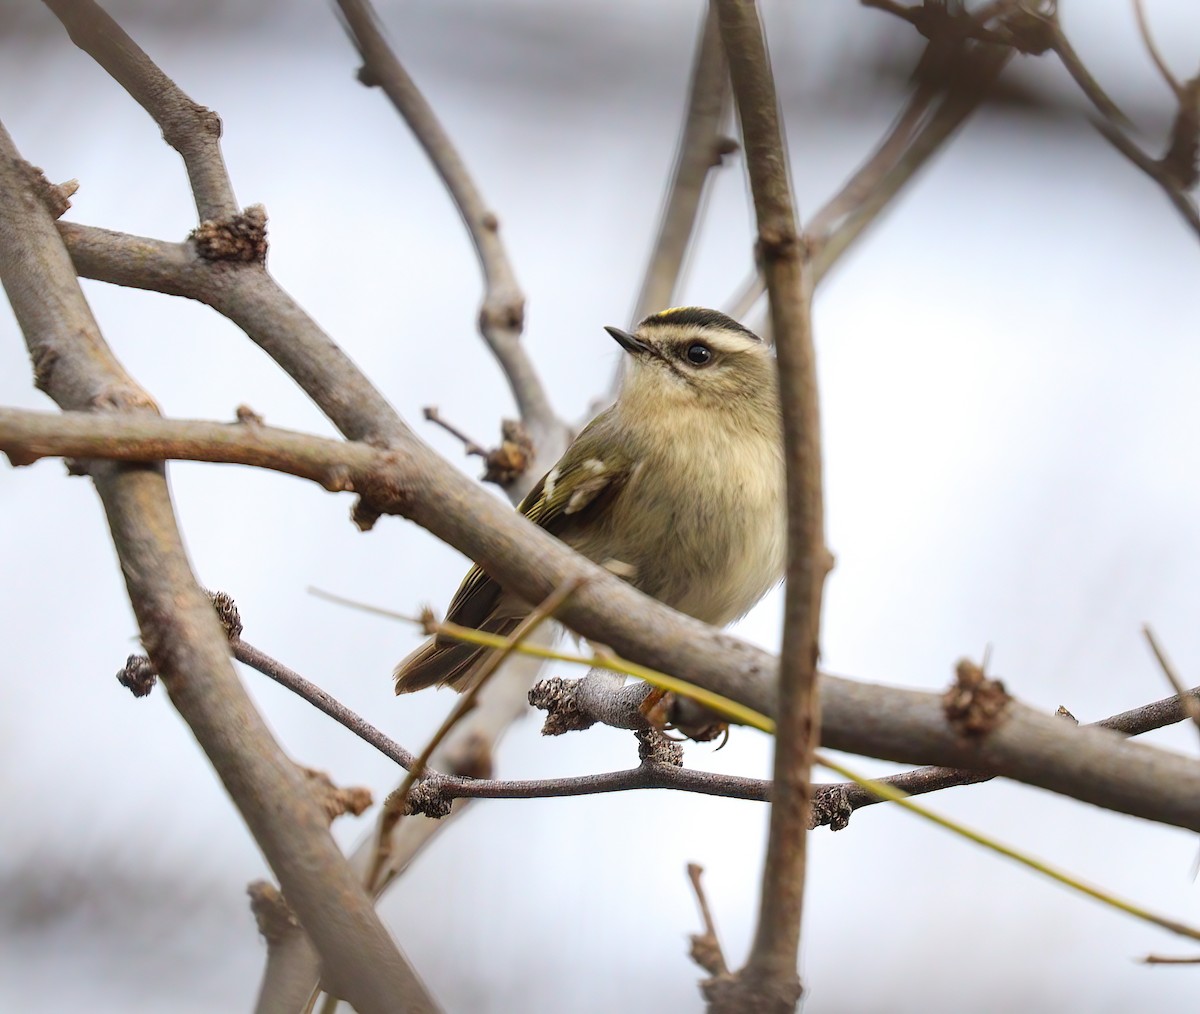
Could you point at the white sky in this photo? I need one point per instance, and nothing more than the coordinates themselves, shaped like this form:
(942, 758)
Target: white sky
(1009, 365)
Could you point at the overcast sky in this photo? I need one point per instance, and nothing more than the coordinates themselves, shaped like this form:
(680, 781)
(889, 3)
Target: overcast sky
(1008, 362)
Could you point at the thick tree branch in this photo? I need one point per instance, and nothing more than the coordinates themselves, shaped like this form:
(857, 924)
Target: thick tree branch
(881, 721)
(502, 316)
(254, 301)
(768, 981)
(189, 128)
(249, 297)
(178, 626)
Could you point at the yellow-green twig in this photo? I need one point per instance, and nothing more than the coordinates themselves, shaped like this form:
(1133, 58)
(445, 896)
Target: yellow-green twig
(748, 716)
(885, 791)
(724, 706)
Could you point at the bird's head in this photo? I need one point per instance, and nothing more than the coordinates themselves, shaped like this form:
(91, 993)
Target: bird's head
(690, 356)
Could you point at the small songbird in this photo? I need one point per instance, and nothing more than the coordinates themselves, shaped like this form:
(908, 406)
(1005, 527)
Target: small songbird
(679, 483)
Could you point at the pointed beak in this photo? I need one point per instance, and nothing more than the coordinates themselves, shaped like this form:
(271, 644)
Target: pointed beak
(630, 343)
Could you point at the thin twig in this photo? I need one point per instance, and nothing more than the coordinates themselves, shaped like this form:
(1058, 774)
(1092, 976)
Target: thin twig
(866, 178)
(432, 415)
(706, 946)
(769, 976)
(1151, 48)
(1083, 77)
(291, 680)
(502, 315)
(1190, 704)
(439, 788)
(1030, 862)
(397, 801)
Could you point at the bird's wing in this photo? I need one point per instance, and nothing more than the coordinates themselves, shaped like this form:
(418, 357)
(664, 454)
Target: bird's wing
(574, 491)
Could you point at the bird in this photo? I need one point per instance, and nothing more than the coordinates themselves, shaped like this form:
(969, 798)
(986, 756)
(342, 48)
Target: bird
(678, 486)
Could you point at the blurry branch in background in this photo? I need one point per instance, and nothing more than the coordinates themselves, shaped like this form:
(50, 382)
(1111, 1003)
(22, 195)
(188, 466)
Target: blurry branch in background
(873, 719)
(952, 79)
(701, 149)
(1034, 29)
(1139, 11)
(502, 315)
(769, 980)
(1177, 170)
(75, 366)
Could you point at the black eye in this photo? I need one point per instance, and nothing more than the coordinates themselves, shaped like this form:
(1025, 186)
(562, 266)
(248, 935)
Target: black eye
(699, 355)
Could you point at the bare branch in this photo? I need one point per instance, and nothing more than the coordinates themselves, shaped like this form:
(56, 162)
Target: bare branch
(1148, 39)
(178, 625)
(260, 661)
(433, 414)
(866, 179)
(965, 75)
(742, 301)
(769, 977)
(285, 985)
(1083, 77)
(1190, 704)
(502, 316)
(881, 721)
(253, 300)
(1163, 959)
(189, 128)
(706, 948)
(506, 463)
(833, 804)
(1036, 30)
(700, 150)
(1155, 169)
(397, 802)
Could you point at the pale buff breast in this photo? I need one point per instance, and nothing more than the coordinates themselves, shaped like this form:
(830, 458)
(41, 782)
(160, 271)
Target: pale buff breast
(710, 541)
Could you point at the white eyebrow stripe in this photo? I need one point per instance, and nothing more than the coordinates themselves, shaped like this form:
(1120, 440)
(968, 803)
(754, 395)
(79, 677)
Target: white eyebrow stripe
(725, 341)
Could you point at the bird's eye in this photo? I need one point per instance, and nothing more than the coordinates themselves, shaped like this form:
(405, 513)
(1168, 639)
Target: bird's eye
(699, 355)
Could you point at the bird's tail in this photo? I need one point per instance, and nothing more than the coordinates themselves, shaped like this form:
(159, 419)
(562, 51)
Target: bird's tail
(444, 662)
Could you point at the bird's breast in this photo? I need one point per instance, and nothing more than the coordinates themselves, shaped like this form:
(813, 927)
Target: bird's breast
(701, 524)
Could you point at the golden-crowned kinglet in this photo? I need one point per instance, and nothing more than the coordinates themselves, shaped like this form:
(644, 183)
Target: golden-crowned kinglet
(680, 481)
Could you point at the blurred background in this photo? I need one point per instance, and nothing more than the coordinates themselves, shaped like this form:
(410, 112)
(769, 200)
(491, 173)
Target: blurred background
(1009, 361)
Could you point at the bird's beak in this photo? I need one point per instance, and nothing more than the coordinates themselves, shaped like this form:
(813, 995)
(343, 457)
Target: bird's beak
(630, 343)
